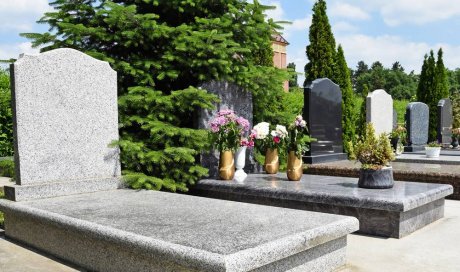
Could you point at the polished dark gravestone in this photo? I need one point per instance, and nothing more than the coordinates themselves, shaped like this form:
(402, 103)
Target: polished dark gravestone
(417, 118)
(323, 112)
(394, 212)
(237, 99)
(445, 121)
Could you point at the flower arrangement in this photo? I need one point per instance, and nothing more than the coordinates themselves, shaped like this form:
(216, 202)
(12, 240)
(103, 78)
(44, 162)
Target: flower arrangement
(433, 144)
(298, 137)
(456, 132)
(227, 130)
(266, 139)
(373, 152)
(398, 132)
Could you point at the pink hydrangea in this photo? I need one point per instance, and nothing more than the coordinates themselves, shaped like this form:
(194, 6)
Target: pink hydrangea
(242, 122)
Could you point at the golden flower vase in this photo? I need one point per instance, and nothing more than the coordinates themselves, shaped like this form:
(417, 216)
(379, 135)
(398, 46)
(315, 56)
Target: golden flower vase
(272, 163)
(294, 167)
(226, 165)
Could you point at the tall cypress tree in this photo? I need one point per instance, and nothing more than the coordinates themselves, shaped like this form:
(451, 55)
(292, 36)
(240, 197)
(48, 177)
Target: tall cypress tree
(442, 85)
(293, 79)
(321, 50)
(343, 78)
(162, 51)
(426, 93)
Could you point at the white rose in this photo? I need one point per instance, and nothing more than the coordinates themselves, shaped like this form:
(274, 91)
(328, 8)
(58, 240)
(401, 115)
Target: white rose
(262, 129)
(281, 131)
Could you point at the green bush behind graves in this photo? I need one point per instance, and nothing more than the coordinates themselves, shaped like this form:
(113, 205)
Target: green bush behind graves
(162, 51)
(6, 117)
(7, 168)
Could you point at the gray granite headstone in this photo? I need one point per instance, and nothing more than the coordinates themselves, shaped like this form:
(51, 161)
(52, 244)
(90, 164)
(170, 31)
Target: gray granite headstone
(235, 98)
(445, 120)
(379, 111)
(395, 118)
(65, 117)
(417, 118)
(323, 113)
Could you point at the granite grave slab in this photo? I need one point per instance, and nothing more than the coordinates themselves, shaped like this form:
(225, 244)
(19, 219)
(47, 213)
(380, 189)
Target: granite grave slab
(445, 120)
(417, 120)
(395, 119)
(323, 113)
(379, 111)
(394, 212)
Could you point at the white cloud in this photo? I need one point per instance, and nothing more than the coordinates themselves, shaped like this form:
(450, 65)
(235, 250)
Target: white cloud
(298, 26)
(343, 27)
(348, 11)
(13, 50)
(21, 15)
(276, 14)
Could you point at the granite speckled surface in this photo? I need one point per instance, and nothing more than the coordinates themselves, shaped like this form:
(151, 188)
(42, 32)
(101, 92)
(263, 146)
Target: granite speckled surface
(174, 232)
(394, 212)
(379, 111)
(65, 116)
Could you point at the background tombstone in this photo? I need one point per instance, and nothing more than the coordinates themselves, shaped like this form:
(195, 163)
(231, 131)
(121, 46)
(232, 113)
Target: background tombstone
(417, 119)
(445, 121)
(65, 115)
(379, 111)
(237, 99)
(395, 118)
(323, 113)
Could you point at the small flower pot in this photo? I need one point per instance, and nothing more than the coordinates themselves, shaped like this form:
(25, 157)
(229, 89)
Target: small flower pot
(272, 163)
(432, 152)
(294, 167)
(226, 165)
(240, 161)
(376, 179)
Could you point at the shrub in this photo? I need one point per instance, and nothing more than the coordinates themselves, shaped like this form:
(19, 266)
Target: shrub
(7, 168)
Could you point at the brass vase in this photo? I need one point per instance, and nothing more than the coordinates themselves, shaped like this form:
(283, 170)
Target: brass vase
(226, 165)
(272, 163)
(294, 167)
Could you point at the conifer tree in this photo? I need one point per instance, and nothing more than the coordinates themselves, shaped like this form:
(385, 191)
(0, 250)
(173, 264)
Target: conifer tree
(321, 50)
(361, 120)
(293, 79)
(343, 79)
(162, 51)
(442, 85)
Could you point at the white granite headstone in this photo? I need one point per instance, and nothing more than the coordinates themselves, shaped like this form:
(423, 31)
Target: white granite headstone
(65, 117)
(379, 111)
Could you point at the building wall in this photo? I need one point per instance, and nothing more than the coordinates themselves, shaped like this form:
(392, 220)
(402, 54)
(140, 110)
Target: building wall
(279, 59)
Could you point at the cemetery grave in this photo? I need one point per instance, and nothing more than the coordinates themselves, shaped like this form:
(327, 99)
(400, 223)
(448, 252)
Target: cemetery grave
(73, 210)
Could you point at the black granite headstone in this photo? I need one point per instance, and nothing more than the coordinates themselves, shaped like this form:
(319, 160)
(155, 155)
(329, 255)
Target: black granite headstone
(323, 113)
(445, 121)
(237, 99)
(417, 120)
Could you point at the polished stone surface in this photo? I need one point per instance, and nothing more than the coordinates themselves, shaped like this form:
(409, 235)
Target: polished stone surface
(420, 157)
(417, 118)
(237, 99)
(380, 211)
(379, 111)
(445, 120)
(65, 117)
(323, 113)
(127, 230)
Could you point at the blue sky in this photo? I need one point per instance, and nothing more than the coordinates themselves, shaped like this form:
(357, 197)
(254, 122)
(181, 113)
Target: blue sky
(384, 30)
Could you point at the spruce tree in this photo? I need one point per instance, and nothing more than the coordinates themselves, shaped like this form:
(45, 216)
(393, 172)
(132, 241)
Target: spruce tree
(162, 51)
(321, 50)
(343, 79)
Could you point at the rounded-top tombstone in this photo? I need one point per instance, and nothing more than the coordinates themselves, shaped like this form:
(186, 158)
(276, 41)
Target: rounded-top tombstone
(379, 111)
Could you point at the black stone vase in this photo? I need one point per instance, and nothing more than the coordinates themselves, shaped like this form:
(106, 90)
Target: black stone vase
(376, 179)
(394, 143)
(454, 142)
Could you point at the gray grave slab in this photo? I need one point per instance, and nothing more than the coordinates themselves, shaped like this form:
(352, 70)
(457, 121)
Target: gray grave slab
(395, 119)
(379, 111)
(323, 113)
(127, 230)
(445, 120)
(237, 99)
(394, 212)
(65, 117)
(417, 120)
(446, 158)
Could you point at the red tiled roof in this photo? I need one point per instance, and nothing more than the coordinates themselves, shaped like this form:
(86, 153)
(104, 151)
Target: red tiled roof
(278, 38)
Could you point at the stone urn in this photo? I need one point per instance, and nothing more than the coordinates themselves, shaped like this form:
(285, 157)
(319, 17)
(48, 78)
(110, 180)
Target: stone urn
(240, 161)
(432, 152)
(294, 167)
(454, 142)
(376, 178)
(226, 165)
(272, 163)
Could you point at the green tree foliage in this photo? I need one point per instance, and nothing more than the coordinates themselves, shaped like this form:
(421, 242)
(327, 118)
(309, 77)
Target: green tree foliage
(293, 80)
(433, 86)
(6, 116)
(321, 50)
(343, 78)
(361, 119)
(162, 51)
